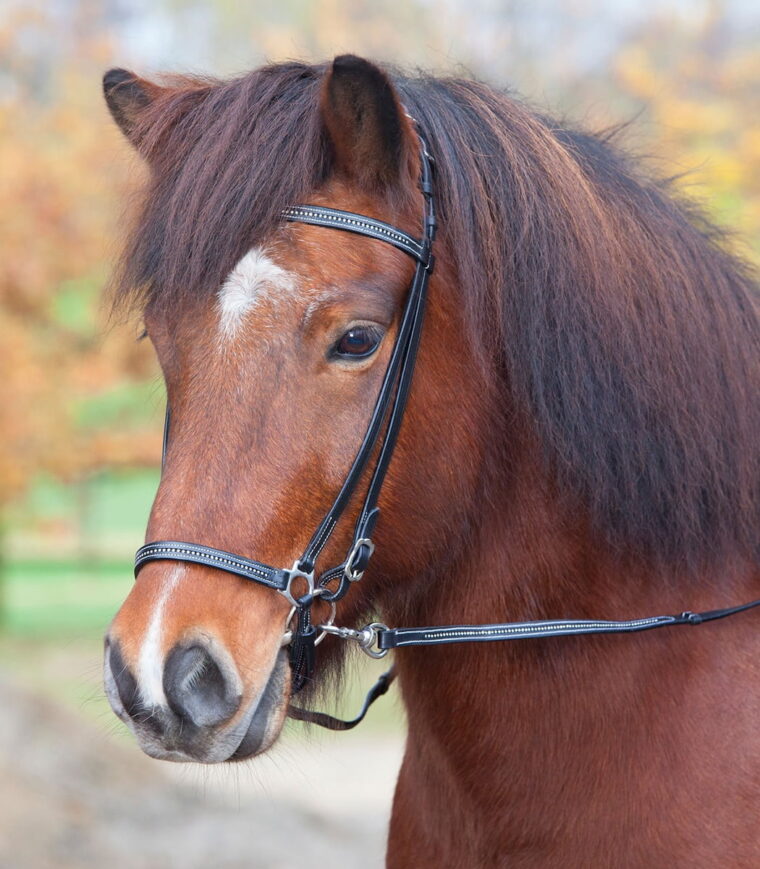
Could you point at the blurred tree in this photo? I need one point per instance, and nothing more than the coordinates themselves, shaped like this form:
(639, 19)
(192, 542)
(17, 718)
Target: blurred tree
(65, 407)
(697, 80)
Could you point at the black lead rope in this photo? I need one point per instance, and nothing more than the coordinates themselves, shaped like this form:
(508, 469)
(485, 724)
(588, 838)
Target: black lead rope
(396, 638)
(330, 722)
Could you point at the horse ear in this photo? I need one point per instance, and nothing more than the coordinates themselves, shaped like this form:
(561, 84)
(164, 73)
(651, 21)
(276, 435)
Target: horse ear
(372, 138)
(127, 95)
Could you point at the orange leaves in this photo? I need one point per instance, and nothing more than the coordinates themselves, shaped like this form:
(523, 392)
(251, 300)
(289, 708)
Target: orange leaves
(698, 84)
(62, 168)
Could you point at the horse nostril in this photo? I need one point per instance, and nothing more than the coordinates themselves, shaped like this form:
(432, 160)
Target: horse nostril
(125, 682)
(196, 687)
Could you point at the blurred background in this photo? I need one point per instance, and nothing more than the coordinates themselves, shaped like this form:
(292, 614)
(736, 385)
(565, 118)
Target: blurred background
(82, 401)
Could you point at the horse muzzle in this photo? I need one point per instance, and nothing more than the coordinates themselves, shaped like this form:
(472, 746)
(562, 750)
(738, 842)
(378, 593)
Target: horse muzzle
(194, 710)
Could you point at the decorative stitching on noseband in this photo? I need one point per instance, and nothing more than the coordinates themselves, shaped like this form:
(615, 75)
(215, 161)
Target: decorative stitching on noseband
(228, 562)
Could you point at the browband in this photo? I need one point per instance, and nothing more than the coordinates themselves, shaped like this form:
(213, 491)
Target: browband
(332, 218)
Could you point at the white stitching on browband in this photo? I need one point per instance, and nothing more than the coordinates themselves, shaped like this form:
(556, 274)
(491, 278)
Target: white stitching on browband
(372, 228)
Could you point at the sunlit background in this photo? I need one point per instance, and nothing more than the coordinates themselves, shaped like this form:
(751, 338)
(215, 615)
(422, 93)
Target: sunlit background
(82, 402)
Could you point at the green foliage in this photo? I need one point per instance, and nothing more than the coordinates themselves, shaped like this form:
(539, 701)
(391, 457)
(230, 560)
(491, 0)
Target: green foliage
(63, 597)
(81, 539)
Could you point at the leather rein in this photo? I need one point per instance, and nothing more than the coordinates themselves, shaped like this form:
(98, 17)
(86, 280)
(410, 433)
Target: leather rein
(300, 584)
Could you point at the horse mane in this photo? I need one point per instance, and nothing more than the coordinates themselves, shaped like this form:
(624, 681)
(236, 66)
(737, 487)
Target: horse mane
(626, 331)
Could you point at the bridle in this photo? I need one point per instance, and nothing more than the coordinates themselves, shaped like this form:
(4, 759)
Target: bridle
(377, 639)
(299, 584)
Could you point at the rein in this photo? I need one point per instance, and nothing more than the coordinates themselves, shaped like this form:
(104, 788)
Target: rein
(377, 639)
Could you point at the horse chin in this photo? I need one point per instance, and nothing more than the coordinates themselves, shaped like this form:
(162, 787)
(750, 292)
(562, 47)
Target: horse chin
(270, 713)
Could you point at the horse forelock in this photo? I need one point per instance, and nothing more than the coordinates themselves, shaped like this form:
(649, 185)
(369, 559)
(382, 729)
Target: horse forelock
(618, 322)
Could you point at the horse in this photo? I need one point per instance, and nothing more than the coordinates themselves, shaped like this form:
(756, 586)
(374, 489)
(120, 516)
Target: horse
(580, 441)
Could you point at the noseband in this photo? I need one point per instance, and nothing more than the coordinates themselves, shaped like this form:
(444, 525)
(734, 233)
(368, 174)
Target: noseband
(300, 584)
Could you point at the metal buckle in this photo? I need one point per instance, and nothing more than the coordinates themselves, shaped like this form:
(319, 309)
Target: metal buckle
(295, 572)
(349, 572)
(366, 637)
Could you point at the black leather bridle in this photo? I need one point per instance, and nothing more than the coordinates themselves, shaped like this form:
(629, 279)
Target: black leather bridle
(299, 584)
(382, 432)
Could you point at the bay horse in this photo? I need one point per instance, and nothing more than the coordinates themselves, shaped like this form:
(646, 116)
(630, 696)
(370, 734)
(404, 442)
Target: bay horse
(580, 442)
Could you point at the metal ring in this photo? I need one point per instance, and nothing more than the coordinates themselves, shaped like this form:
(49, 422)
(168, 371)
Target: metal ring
(366, 642)
(287, 636)
(327, 624)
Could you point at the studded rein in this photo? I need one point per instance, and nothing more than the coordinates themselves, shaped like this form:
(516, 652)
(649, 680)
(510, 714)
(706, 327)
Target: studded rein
(300, 584)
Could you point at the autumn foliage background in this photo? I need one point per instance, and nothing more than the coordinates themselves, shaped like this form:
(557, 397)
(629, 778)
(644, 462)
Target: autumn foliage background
(81, 401)
(81, 411)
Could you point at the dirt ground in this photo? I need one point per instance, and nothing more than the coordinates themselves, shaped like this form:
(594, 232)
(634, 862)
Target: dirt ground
(74, 796)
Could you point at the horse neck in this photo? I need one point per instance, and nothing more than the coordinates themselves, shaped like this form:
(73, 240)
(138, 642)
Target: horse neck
(531, 553)
(474, 708)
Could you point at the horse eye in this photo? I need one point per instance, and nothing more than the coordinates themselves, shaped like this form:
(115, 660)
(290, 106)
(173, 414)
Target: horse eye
(357, 343)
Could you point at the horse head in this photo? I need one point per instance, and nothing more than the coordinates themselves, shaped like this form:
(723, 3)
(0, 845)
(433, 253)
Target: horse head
(272, 374)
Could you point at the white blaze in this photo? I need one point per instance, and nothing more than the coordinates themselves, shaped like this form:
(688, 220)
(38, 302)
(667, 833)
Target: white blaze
(150, 664)
(254, 277)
